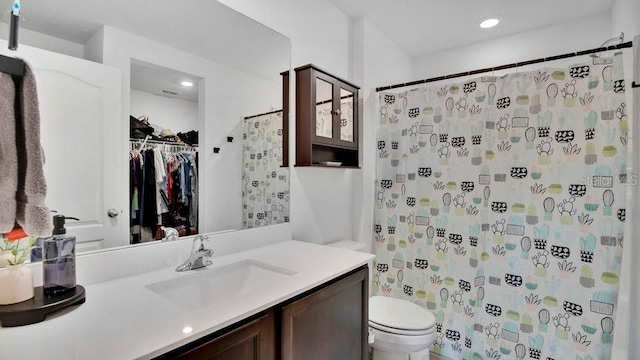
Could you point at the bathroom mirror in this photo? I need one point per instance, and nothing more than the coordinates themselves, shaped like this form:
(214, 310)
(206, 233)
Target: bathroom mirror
(235, 65)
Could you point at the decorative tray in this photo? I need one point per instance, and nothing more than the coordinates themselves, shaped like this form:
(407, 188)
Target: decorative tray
(37, 308)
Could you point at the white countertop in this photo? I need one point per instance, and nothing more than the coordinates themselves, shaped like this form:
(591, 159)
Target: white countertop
(122, 319)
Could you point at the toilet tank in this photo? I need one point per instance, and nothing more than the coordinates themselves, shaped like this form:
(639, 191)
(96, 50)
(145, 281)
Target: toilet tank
(350, 245)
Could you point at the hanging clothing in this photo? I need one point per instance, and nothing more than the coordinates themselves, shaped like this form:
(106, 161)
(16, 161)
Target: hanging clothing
(135, 197)
(193, 219)
(162, 187)
(23, 187)
(149, 216)
(158, 163)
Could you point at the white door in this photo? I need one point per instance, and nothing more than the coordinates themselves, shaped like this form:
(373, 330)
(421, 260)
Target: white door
(82, 136)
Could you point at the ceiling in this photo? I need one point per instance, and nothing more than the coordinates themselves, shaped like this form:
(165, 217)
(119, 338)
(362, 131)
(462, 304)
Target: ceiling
(154, 79)
(418, 26)
(427, 26)
(199, 27)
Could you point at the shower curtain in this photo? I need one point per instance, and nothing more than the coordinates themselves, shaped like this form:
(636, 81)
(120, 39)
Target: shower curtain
(500, 207)
(265, 183)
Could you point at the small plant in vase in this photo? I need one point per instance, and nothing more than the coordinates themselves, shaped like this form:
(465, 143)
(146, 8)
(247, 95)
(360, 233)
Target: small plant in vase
(6, 253)
(10, 247)
(16, 281)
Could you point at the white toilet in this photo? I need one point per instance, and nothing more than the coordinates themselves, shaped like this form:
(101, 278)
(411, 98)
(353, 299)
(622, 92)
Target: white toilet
(401, 330)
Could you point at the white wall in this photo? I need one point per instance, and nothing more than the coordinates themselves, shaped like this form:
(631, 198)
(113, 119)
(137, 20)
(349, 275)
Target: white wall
(43, 41)
(319, 32)
(377, 60)
(226, 95)
(177, 115)
(586, 33)
(625, 17)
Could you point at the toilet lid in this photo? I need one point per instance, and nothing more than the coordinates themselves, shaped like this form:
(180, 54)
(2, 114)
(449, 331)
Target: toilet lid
(399, 314)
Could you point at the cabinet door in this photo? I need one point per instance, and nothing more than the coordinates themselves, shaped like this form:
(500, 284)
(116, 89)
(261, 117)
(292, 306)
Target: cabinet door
(329, 324)
(324, 91)
(347, 116)
(254, 340)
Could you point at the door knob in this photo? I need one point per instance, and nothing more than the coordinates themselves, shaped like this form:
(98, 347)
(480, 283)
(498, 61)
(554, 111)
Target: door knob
(112, 213)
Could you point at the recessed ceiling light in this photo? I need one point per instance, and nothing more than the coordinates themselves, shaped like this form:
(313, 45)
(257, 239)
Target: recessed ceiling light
(186, 83)
(187, 330)
(489, 23)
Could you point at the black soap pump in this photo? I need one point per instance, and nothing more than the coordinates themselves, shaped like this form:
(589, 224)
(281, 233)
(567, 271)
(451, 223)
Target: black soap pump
(59, 259)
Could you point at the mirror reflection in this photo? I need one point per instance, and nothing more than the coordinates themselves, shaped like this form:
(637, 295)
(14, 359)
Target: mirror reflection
(112, 94)
(163, 153)
(265, 192)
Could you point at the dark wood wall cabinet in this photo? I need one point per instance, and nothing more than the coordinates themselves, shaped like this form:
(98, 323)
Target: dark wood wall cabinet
(329, 322)
(326, 119)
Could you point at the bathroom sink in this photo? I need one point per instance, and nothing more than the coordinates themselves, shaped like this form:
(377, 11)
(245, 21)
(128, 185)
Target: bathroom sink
(215, 284)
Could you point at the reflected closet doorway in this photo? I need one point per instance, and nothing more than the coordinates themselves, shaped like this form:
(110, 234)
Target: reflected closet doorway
(163, 118)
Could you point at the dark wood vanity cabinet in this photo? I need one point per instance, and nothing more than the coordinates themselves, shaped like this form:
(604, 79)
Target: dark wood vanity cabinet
(329, 322)
(252, 341)
(326, 119)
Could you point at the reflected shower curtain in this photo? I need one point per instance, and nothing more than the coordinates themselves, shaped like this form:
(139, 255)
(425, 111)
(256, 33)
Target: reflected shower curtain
(500, 207)
(265, 183)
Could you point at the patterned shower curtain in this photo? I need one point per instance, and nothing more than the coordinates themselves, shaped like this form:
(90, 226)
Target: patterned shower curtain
(265, 183)
(501, 207)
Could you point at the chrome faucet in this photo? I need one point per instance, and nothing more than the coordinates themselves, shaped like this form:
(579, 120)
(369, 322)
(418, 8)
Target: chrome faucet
(199, 257)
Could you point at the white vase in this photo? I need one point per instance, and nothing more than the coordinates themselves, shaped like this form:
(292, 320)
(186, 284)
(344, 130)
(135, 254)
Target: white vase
(16, 284)
(5, 256)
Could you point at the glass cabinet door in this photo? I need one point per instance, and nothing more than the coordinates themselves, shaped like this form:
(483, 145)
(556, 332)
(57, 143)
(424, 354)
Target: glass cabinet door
(324, 109)
(346, 115)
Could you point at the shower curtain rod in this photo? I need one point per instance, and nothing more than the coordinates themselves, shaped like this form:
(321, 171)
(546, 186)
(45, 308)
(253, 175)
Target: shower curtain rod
(263, 114)
(510, 66)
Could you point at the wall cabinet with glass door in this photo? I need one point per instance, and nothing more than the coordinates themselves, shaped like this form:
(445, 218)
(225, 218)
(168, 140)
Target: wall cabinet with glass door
(326, 119)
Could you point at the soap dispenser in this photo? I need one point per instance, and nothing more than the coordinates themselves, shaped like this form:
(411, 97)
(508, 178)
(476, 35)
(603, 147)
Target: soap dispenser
(59, 259)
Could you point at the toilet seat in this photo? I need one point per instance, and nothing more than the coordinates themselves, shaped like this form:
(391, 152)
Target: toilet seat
(400, 316)
(397, 331)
